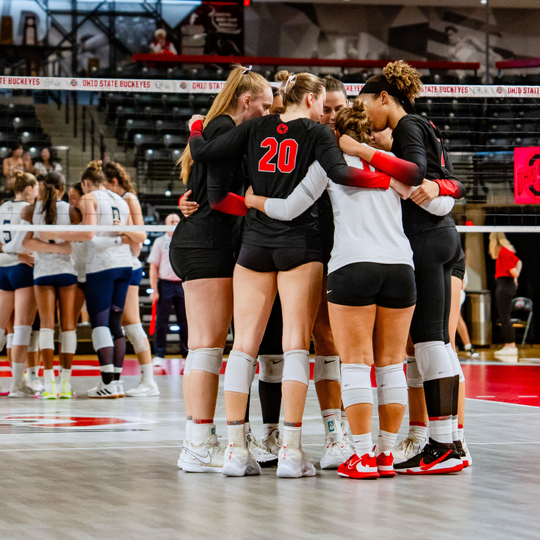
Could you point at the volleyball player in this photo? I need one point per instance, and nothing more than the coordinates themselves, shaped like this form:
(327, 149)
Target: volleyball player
(118, 181)
(203, 253)
(55, 279)
(17, 282)
(419, 154)
(276, 256)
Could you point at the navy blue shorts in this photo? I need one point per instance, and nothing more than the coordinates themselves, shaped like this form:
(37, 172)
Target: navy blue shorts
(60, 280)
(16, 277)
(136, 277)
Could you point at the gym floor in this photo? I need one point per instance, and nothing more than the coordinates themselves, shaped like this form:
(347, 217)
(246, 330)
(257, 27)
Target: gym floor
(88, 469)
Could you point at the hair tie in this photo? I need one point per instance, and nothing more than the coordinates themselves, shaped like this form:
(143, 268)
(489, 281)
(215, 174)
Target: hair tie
(246, 69)
(291, 80)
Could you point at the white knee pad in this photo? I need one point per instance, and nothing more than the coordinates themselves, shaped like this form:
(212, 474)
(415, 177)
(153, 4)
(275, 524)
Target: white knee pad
(101, 338)
(3, 339)
(208, 360)
(46, 339)
(296, 366)
(271, 368)
(356, 384)
(9, 341)
(239, 372)
(69, 342)
(21, 335)
(189, 363)
(391, 384)
(414, 379)
(456, 366)
(433, 362)
(327, 368)
(137, 337)
(34, 342)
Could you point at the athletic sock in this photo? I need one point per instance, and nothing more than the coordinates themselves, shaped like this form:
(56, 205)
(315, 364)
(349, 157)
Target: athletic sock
(461, 432)
(18, 374)
(66, 375)
(292, 435)
(107, 373)
(48, 375)
(147, 373)
(419, 430)
(468, 347)
(386, 441)
(455, 429)
(189, 428)
(270, 428)
(236, 434)
(362, 444)
(332, 424)
(32, 373)
(440, 429)
(345, 428)
(201, 431)
(117, 373)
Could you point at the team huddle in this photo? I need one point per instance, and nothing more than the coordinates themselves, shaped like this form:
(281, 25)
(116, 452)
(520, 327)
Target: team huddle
(343, 235)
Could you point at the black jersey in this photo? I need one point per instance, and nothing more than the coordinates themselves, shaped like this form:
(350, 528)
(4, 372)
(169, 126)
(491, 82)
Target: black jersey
(417, 140)
(326, 224)
(278, 157)
(210, 182)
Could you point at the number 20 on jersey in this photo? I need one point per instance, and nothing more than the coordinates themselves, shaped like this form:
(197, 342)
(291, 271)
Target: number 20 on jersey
(286, 152)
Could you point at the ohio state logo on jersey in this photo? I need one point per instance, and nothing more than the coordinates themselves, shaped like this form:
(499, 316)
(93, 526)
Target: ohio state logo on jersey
(282, 129)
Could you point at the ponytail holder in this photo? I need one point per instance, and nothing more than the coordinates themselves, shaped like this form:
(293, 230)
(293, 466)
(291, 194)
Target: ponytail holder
(246, 69)
(291, 80)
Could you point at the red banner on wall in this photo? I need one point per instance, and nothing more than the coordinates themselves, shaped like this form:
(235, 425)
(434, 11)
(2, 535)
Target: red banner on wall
(527, 175)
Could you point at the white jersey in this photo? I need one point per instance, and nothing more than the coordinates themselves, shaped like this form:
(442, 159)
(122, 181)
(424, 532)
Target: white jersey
(79, 250)
(52, 264)
(368, 222)
(135, 260)
(10, 212)
(110, 207)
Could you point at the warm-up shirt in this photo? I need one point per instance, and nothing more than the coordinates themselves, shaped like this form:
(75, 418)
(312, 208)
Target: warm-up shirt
(160, 257)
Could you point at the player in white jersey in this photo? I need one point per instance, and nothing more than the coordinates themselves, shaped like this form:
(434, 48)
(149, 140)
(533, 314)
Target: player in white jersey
(119, 182)
(16, 282)
(108, 274)
(55, 280)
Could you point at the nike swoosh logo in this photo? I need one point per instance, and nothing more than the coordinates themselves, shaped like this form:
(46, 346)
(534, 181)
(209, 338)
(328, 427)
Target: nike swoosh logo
(277, 362)
(426, 467)
(328, 292)
(203, 459)
(329, 361)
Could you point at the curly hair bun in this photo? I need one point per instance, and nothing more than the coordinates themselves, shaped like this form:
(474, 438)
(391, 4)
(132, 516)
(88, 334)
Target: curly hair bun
(96, 165)
(282, 76)
(405, 78)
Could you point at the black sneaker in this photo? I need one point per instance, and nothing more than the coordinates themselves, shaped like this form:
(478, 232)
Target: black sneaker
(435, 458)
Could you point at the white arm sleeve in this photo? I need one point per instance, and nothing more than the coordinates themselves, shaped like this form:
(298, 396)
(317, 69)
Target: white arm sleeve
(304, 195)
(104, 242)
(440, 206)
(17, 238)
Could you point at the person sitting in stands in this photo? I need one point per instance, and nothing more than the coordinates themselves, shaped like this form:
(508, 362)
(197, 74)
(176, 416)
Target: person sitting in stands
(161, 45)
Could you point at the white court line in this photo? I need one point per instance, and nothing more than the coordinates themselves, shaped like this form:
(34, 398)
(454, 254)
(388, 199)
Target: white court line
(527, 396)
(85, 448)
(480, 397)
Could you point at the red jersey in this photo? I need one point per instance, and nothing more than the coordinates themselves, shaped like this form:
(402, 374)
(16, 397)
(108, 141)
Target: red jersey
(506, 261)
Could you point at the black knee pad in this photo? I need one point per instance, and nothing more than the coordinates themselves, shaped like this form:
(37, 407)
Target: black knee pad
(115, 325)
(439, 396)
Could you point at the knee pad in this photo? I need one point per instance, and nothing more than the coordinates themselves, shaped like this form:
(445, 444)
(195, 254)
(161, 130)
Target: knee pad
(101, 338)
(9, 341)
(209, 360)
(3, 339)
(115, 325)
(189, 363)
(391, 384)
(69, 342)
(137, 337)
(456, 366)
(238, 375)
(46, 339)
(34, 342)
(271, 368)
(414, 379)
(296, 366)
(356, 384)
(327, 368)
(433, 361)
(21, 335)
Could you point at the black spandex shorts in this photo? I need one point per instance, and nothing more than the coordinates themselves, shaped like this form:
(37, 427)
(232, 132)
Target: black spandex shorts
(459, 268)
(365, 283)
(262, 259)
(202, 263)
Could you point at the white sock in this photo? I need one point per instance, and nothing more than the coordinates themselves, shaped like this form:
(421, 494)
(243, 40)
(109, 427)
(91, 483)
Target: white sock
(344, 423)
(18, 374)
(455, 429)
(189, 428)
(66, 375)
(201, 432)
(468, 347)
(147, 372)
(269, 428)
(32, 373)
(332, 424)
(237, 434)
(419, 430)
(385, 441)
(292, 436)
(440, 429)
(460, 432)
(363, 444)
(248, 427)
(48, 374)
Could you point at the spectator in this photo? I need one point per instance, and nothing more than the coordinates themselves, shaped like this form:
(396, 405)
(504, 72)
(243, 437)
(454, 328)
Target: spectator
(168, 293)
(462, 329)
(20, 161)
(507, 270)
(46, 164)
(161, 45)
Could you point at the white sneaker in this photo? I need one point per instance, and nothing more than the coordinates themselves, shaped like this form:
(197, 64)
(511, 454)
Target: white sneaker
(348, 445)
(334, 454)
(273, 442)
(207, 457)
(293, 463)
(409, 447)
(66, 391)
(465, 454)
(48, 391)
(22, 391)
(507, 354)
(36, 384)
(104, 391)
(144, 389)
(158, 361)
(182, 456)
(239, 462)
(262, 456)
(120, 388)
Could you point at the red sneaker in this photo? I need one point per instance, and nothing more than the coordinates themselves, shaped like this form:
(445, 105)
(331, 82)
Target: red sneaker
(359, 467)
(385, 465)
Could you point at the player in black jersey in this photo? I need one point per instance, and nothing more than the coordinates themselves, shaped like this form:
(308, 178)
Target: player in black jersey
(203, 253)
(420, 154)
(278, 256)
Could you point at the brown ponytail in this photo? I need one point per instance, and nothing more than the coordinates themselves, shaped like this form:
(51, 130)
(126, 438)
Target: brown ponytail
(114, 170)
(22, 180)
(94, 173)
(295, 87)
(354, 121)
(53, 184)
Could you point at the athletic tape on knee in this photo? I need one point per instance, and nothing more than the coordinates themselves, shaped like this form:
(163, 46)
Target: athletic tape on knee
(296, 366)
(327, 368)
(433, 361)
(209, 360)
(9, 341)
(46, 339)
(414, 379)
(356, 384)
(137, 337)
(239, 372)
(3, 339)
(101, 338)
(456, 365)
(69, 342)
(391, 384)
(189, 363)
(21, 335)
(271, 368)
(34, 342)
